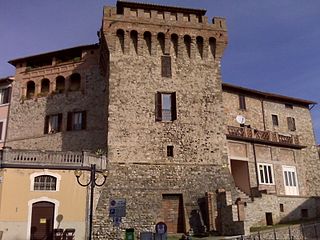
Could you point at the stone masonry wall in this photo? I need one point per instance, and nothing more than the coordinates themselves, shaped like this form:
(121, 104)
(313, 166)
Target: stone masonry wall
(137, 143)
(305, 160)
(27, 116)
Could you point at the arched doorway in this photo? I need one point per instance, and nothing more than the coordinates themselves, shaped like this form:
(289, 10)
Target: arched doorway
(42, 220)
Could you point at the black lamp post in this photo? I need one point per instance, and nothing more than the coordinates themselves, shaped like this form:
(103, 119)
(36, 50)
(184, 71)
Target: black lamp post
(92, 184)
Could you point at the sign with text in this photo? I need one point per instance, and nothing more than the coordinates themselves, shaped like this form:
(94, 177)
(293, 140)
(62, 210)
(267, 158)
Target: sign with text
(117, 208)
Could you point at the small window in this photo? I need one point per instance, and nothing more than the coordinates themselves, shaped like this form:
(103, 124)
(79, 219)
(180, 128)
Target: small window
(76, 121)
(169, 151)
(288, 105)
(4, 95)
(53, 123)
(1, 131)
(275, 120)
(75, 82)
(265, 173)
(291, 124)
(45, 183)
(166, 107)
(166, 66)
(281, 207)
(242, 102)
(304, 213)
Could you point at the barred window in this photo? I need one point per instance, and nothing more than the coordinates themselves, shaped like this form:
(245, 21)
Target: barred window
(45, 183)
(265, 173)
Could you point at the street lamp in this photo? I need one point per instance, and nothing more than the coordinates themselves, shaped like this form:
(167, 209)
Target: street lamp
(92, 183)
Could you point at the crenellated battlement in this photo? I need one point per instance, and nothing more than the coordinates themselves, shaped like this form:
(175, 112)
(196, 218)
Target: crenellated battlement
(143, 28)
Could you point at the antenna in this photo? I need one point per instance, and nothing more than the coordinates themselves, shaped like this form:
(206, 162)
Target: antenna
(241, 119)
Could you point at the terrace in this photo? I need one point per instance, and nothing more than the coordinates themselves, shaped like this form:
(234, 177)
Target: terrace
(265, 137)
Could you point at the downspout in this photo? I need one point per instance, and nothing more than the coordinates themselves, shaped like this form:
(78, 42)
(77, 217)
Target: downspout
(263, 116)
(255, 164)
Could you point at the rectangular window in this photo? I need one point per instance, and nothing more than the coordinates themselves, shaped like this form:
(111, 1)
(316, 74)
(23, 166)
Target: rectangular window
(166, 66)
(242, 102)
(291, 124)
(53, 123)
(1, 131)
(76, 121)
(169, 151)
(166, 107)
(265, 173)
(4, 95)
(275, 120)
(288, 105)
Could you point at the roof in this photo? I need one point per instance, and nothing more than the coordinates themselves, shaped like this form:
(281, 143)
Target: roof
(150, 6)
(6, 80)
(51, 54)
(266, 95)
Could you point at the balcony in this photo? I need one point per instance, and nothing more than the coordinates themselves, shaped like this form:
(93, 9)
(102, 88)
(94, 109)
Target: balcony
(264, 137)
(49, 159)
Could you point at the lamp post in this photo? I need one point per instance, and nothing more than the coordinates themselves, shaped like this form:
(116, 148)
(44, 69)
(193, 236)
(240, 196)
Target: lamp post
(92, 183)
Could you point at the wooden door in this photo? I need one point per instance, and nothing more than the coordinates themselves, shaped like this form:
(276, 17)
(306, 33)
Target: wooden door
(42, 221)
(172, 210)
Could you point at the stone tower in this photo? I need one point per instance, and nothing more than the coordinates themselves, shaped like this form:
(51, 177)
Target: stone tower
(166, 144)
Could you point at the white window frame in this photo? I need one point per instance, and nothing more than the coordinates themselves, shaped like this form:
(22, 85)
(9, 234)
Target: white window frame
(6, 87)
(4, 128)
(44, 172)
(264, 182)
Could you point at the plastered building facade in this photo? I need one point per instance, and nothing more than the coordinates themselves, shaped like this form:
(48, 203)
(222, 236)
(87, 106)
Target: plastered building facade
(181, 146)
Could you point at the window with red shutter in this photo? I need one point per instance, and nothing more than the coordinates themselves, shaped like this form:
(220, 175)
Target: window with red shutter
(166, 109)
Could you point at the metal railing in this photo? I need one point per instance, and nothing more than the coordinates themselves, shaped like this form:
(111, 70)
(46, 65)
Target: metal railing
(293, 232)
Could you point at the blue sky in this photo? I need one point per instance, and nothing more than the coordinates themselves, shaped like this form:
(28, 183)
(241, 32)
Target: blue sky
(273, 45)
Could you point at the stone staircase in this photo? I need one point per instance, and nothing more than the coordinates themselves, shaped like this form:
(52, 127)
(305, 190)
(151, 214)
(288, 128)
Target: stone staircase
(244, 197)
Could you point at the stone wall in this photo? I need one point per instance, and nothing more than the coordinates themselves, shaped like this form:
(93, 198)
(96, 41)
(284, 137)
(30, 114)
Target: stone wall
(27, 116)
(258, 114)
(137, 143)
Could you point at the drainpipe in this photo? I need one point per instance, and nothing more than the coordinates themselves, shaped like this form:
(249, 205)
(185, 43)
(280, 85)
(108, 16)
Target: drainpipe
(263, 116)
(255, 164)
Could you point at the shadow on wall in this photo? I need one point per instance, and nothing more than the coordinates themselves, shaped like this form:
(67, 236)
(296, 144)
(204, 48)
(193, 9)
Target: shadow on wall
(76, 106)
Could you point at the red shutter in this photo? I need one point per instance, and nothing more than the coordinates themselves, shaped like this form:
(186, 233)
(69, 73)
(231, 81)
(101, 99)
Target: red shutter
(158, 106)
(84, 120)
(46, 125)
(173, 106)
(59, 122)
(69, 121)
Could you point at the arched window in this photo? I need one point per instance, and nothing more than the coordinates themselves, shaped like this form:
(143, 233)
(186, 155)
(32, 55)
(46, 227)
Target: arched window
(60, 84)
(120, 36)
(212, 45)
(174, 42)
(161, 41)
(187, 43)
(31, 87)
(147, 39)
(45, 86)
(45, 183)
(134, 40)
(200, 45)
(75, 82)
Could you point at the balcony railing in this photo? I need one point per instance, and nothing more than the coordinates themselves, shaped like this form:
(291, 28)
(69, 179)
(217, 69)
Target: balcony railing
(50, 158)
(262, 136)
